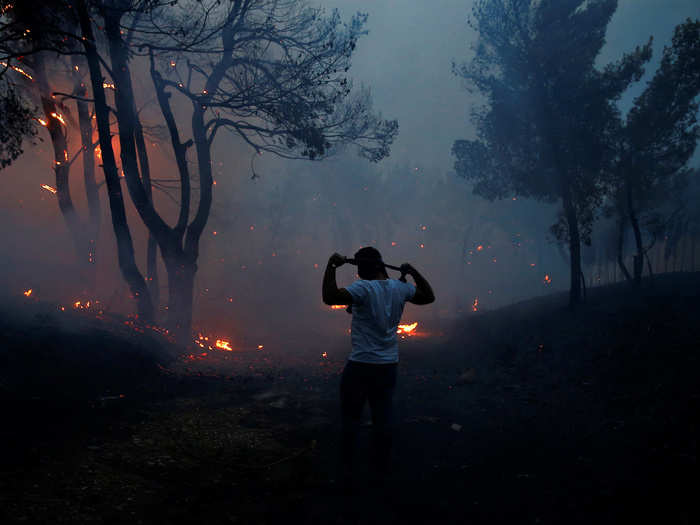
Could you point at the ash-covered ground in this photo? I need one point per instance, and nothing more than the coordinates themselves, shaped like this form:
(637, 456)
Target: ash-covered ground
(527, 414)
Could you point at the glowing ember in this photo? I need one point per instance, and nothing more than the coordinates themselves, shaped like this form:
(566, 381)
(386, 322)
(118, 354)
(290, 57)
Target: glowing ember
(108, 85)
(223, 344)
(324, 355)
(547, 279)
(42, 122)
(98, 152)
(406, 328)
(17, 69)
(27, 293)
(59, 117)
(475, 304)
(479, 248)
(49, 188)
(339, 306)
(260, 347)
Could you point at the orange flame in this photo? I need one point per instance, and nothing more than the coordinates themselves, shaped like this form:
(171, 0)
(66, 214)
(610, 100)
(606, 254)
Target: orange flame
(223, 344)
(108, 85)
(49, 188)
(339, 306)
(475, 304)
(479, 248)
(406, 328)
(17, 69)
(27, 293)
(547, 279)
(42, 122)
(59, 117)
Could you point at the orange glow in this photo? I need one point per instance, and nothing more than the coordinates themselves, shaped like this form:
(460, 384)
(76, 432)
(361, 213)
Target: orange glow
(223, 344)
(49, 188)
(324, 355)
(479, 248)
(98, 152)
(260, 347)
(59, 117)
(475, 304)
(406, 328)
(17, 69)
(42, 122)
(339, 306)
(108, 85)
(547, 279)
(27, 293)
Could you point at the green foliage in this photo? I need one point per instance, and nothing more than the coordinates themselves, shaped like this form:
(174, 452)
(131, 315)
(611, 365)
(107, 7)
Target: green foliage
(549, 111)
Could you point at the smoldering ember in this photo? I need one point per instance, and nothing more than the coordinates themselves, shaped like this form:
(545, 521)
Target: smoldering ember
(334, 261)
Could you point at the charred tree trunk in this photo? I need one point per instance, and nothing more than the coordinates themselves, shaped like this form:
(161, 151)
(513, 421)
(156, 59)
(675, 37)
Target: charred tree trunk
(181, 274)
(574, 246)
(152, 250)
(93, 198)
(57, 127)
(125, 247)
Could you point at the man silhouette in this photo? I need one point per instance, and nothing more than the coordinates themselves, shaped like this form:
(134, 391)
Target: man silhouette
(370, 373)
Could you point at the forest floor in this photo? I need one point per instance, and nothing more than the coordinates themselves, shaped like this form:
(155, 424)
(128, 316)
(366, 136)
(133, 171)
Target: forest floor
(528, 414)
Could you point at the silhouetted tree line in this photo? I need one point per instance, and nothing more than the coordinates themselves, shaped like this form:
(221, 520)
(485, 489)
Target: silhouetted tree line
(551, 128)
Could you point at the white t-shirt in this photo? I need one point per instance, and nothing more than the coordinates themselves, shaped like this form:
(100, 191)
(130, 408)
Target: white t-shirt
(377, 306)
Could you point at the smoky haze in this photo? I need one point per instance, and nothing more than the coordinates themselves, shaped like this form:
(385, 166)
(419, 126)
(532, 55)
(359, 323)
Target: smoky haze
(275, 222)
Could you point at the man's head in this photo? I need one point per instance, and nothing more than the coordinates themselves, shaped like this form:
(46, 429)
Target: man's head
(369, 264)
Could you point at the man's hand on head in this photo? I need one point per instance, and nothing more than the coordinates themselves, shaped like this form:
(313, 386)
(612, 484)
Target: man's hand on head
(407, 269)
(336, 260)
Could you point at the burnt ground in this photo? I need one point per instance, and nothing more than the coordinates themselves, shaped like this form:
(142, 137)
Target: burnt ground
(528, 414)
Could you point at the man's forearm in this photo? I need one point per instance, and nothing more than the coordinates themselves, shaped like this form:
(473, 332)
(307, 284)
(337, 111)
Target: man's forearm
(423, 285)
(330, 287)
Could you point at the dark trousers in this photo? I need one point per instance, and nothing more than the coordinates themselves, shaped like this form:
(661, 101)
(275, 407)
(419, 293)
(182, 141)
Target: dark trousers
(375, 383)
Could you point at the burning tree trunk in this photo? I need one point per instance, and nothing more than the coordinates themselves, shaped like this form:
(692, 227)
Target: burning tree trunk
(88, 150)
(56, 125)
(125, 247)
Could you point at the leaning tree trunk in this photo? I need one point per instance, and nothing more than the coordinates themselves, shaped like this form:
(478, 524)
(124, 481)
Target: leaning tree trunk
(574, 247)
(125, 246)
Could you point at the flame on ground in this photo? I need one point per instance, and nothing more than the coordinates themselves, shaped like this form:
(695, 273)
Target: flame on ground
(49, 188)
(27, 293)
(224, 345)
(339, 306)
(406, 328)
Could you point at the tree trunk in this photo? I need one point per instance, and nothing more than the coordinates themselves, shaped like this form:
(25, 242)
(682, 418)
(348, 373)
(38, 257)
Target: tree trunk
(91, 192)
(638, 261)
(152, 251)
(56, 125)
(125, 246)
(181, 274)
(574, 247)
(620, 249)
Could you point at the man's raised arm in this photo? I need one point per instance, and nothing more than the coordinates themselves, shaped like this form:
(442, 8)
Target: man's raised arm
(330, 291)
(424, 293)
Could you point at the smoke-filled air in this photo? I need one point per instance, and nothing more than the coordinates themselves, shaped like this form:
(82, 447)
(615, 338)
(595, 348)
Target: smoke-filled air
(334, 261)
